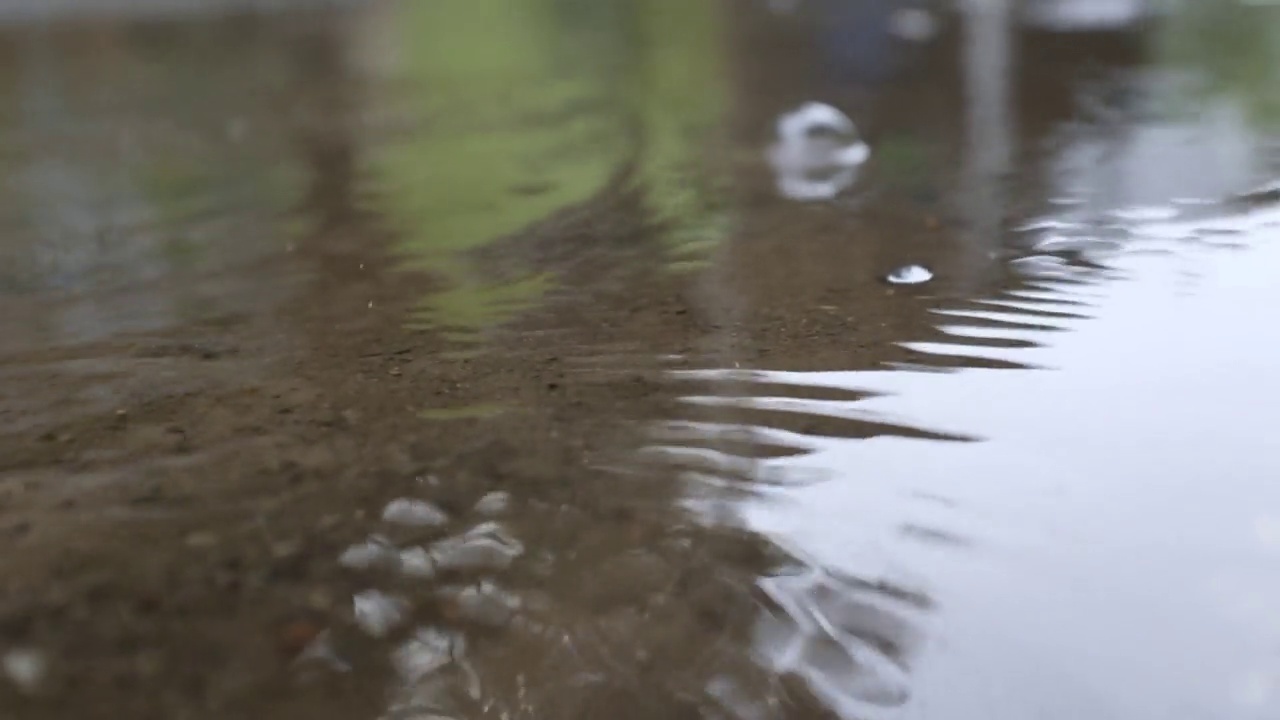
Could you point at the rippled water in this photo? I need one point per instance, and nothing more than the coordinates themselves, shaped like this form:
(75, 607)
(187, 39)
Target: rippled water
(472, 359)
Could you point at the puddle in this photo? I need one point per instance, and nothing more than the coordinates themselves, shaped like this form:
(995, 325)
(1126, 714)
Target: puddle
(592, 359)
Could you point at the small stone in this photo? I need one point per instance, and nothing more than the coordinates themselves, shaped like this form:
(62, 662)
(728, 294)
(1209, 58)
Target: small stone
(417, 563)
(494, 503)
(485, 604)
(417, 513)
(487, 547)
(376, 552)
(377, 613)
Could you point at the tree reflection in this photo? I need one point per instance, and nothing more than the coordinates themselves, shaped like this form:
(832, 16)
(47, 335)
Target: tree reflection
(1234, 49)
(518, 112)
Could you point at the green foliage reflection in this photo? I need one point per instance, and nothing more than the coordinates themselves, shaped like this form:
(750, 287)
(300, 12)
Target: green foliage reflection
(526, 108)
(1234, 47)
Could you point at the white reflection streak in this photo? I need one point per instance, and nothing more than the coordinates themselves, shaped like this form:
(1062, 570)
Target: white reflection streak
(986, 54)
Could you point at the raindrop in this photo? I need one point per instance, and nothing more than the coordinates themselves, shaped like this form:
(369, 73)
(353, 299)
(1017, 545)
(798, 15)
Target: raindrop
(418, 513)
(909, 275)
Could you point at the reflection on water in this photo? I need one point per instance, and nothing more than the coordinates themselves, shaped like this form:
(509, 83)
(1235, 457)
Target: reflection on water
(99, 200)
(530, 114)
(1027, 481)
(1070, 472)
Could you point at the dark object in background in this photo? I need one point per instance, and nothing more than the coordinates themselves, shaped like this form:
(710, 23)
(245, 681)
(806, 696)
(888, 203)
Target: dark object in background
(867, 42)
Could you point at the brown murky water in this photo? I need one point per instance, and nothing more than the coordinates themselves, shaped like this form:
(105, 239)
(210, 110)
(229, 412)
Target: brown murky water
(474, 359)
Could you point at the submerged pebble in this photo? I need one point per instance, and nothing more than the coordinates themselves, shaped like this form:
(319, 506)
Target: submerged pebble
(416, 562)
(495, 503)
(486, 547)
(909, 275)
(485, 604)
(417, 513)
(378, 613)
(376, 552)
(427, 652)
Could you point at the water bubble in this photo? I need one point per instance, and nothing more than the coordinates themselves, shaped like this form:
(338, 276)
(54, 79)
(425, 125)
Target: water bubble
(909, 275)
(418, 513)
(817, 152)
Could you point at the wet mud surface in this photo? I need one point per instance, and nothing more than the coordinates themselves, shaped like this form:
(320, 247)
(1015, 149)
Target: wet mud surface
(452, 361)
